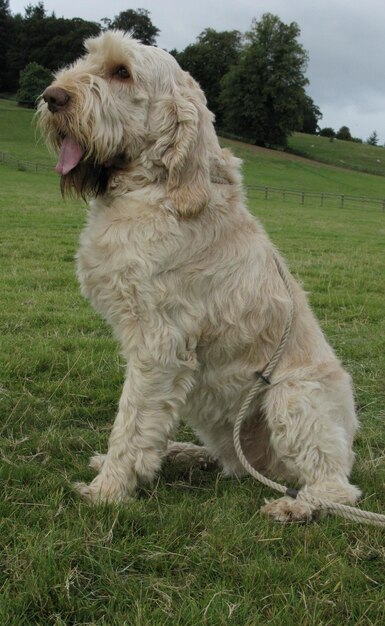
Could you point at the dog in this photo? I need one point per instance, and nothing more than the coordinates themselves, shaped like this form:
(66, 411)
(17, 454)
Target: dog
(187, 278)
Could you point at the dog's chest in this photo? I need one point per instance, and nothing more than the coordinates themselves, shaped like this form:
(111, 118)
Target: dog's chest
(110, 267)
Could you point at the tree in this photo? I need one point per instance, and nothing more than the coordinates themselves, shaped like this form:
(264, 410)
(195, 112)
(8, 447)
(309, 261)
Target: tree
(5, 41)
(373, 139)
(66, 40)
(327, 132)
(36, 12)
(33, 80)
(311, 115)
(344, 134)
(45, 40)
(262, 95)
(137, 23)
(208, 60)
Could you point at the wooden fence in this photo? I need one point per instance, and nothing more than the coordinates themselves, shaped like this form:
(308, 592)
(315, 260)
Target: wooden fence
(26, 166)
(315, 198)
(254, 191)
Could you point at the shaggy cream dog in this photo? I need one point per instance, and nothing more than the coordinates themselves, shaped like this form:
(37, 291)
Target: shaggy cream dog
(188, 280)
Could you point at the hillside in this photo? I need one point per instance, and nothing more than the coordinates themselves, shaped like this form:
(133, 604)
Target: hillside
(356, 156)
(284, 170)
(338, 167)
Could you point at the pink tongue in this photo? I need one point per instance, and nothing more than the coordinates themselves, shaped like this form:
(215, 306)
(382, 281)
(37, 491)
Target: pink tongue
(70, 155)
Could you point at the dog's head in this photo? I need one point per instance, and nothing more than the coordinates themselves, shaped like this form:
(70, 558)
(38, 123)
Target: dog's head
(125, 105)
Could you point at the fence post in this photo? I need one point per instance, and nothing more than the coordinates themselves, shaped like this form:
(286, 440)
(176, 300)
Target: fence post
(266, 193)
(342, 202)
(303, 198)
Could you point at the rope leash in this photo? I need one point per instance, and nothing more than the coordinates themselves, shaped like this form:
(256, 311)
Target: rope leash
(263, 380)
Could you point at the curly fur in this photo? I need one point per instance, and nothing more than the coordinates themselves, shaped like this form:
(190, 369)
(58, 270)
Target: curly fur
(186, 277)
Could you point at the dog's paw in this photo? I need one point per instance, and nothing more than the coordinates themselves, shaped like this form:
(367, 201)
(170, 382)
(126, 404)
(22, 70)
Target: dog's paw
(288, 509)
(97, 462)
(99, 491)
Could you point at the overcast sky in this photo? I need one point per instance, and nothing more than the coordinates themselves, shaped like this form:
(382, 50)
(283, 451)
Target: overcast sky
(345, 40)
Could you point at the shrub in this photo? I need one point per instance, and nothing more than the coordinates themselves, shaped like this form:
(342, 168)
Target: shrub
(373, 139)
(327, 132)
(34, 78)
(344, 134)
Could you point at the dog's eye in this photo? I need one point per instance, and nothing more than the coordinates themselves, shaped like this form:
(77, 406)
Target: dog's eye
(122, 72)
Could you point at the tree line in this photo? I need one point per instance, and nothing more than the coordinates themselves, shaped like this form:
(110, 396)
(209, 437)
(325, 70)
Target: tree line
(254, 82)
(53, 42)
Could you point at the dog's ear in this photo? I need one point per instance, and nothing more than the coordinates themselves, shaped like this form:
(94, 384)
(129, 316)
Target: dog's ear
(184, 152)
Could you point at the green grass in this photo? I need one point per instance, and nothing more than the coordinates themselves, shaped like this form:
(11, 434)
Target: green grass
(286, 171)
(192, 550)
(18, 135)
(360, 157)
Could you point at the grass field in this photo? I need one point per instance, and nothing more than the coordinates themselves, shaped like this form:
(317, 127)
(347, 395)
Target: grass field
(287, 171)
(18, 135)
(193, 549)
(360, 157)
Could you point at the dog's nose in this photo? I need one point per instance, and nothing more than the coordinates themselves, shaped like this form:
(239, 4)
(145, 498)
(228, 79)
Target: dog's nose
(56, 98)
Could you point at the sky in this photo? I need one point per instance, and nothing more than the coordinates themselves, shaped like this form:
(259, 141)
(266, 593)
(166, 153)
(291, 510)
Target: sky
(344, 39)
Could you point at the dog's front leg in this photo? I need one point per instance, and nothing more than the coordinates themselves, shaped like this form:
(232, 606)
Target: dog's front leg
(153, 393)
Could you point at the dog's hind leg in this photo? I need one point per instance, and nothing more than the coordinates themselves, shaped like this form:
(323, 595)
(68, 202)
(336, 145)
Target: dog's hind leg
(190, 454)
(312, 424)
